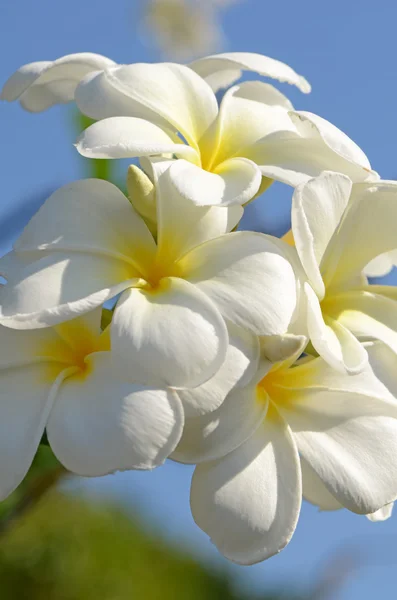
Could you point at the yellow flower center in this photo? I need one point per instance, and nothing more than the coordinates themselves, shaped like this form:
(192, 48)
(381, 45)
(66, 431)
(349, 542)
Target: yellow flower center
(71, 348)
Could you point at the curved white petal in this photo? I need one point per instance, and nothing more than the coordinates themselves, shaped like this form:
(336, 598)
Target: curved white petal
(282, 348)
(210, 436)
(381, 265)
(173, 94)
(235, 62)
(26, 397)
(99, 425)
(172, 335)
(317, 209)
(238, 369)
(247, 113)
(19, 348)
(40, 85)
(367, 230)
(366, 314)
(382, 514)
(125, 137)
(59, 287)
(181, 225)
(249, 501)
(91, 215)
(248, 278)
(234, 181)
(314, 491)
(315, 146)
(350, 441)
(336, 344)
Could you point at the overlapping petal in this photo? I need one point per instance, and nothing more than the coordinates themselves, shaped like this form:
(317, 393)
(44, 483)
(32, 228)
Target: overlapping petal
(40, 85)
(166, 93)
(59, 287)
(222, 70)
(90, 216)
(315, 146)
(234, 181)
(237, 370)
(26, 397)
(181, 224)
(334, 342)
(367, 230)
(99, 424)
(125, 137)
(248, 278)
(349, 440)
(249, 501)
(210, 436)
(172, 335)
(317, 209)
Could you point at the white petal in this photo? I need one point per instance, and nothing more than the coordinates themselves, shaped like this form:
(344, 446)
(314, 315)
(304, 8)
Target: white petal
(240, 366)
(18, 348)
(316, 146)
(248, 278)
(99, 424)
(93, 216)
(40, 85)
(331, 339)
(350, 441)
(367, 230)
(234, 181)
(26, 398)
(172, 335)
(381, 265)
(367, 315)
(173, 94)
(382, 514)
(181, 225)
(314, 491)
(125, 137)
(249, 501)
(210, 436)
(234, 62)
(282, 348)
(247, 113)
(60, 287)
(317, 209)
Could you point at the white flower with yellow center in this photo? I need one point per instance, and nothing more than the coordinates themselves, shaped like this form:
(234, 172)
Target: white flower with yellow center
(87, 244)
(337, 230)
(224, 152)
(304, 429)
(60, 379)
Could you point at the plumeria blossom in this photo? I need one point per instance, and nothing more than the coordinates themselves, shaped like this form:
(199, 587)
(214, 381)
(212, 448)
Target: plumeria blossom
(60, 379)
(304, 429)
(338, 229)
(227, 153)
(87, 244)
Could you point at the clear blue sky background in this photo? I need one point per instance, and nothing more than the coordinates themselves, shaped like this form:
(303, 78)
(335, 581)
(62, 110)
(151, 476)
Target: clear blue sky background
(347, 50)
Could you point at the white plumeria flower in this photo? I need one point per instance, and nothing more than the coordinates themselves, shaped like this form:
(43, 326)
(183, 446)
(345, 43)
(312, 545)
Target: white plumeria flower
(338, 229)
(87, 244)
(60, 379)
(42, 84)
(224, 152)
(247, 488)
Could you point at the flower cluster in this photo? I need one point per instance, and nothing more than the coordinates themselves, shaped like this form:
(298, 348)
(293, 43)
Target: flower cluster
(269, 363)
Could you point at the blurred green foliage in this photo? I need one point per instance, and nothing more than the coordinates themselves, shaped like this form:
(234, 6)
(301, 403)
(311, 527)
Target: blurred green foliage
(69, 549)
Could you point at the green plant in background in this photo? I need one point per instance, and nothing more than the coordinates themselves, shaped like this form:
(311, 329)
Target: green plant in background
(69, 549)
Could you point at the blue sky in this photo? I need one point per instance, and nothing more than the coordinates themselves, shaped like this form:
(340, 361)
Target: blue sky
(347, 51)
